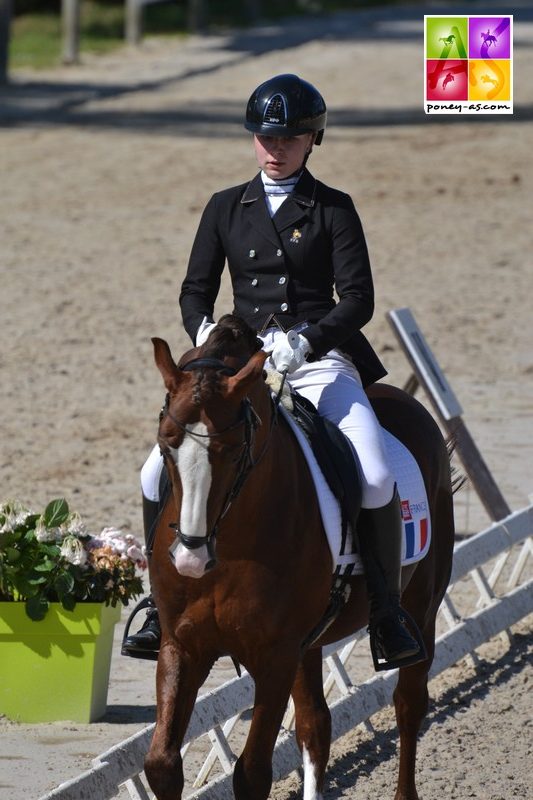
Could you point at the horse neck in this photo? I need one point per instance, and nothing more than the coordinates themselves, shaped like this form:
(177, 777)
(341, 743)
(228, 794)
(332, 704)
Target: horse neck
(262, 405)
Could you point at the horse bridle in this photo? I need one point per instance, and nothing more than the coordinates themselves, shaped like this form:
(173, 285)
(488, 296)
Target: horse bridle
(251, 421)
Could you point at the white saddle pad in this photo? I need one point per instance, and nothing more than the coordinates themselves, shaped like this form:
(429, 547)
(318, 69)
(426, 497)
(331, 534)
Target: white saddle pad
(413, 497)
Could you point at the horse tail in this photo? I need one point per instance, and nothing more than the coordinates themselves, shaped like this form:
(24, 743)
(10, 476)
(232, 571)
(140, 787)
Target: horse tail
(459, 479)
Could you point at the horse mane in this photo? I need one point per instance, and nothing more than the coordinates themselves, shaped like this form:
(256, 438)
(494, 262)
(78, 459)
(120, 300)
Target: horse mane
(232, 338)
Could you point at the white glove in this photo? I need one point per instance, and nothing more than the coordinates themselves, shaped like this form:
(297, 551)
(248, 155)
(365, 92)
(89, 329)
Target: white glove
(289, 352)
(203, 331)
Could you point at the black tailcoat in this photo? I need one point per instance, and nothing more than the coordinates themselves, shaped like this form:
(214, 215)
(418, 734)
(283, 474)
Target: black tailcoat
(285, 269)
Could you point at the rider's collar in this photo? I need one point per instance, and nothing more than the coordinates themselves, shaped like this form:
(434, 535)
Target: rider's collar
(304, 192)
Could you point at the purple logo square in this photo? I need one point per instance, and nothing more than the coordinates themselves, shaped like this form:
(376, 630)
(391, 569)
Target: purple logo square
(489, 37)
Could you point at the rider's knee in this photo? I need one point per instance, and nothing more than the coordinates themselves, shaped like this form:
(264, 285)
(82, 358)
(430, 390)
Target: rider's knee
(378, 488)
(151, 474)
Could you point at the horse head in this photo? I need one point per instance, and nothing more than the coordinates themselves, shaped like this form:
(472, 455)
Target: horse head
(207, 433)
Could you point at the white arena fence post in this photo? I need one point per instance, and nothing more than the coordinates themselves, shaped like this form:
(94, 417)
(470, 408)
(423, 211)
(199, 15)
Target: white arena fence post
(428, 374)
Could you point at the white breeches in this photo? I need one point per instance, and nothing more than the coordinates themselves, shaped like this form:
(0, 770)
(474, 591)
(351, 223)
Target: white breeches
(333, 385)
(151, 474)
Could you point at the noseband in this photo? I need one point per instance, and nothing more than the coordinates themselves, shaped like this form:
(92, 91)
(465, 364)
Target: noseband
(251, 421)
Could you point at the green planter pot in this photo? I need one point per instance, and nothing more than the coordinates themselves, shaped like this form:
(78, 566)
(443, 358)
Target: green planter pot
(58, 668)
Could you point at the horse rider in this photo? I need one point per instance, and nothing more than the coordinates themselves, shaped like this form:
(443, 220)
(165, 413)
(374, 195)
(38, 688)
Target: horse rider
(289, 241)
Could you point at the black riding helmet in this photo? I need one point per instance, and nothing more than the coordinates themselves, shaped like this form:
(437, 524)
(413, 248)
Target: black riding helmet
(286, 105)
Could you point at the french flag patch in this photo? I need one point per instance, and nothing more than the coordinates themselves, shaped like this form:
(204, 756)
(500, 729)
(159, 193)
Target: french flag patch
(416, 531)
(413, 497)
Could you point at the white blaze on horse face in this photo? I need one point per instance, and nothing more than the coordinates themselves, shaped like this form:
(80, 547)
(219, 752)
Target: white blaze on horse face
(192, 462)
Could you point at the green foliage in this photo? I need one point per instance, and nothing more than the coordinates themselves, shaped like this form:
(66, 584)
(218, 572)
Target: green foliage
(50, 557)
(36, 37)
(35, 41)
(55, 513)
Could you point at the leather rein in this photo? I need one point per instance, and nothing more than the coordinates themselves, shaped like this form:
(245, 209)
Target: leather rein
(247, 418)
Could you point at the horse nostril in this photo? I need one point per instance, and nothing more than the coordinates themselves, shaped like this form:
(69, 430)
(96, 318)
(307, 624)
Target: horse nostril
(210, 564)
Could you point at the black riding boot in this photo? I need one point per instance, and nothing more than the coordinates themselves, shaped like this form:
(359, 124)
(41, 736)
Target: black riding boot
(145, 643)
(393, 644)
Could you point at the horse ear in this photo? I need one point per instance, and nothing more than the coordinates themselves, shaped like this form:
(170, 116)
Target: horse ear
(239, 384)
(165, 363)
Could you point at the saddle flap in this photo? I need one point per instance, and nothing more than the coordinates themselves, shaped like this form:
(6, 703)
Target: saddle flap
(334, 454)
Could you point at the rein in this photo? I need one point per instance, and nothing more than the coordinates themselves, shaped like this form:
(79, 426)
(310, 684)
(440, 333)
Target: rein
(251, 421)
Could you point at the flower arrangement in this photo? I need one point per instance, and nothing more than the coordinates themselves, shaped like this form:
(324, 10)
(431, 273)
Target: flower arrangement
(51, 557)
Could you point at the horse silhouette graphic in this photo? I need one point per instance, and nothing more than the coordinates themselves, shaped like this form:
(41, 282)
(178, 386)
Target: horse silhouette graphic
(489, 38)
(452, 40)
(448, 79)
(488, 79)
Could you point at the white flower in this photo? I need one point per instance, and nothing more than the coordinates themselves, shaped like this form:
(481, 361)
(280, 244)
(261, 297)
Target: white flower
(44, 534)
(72, 550)
(15, 516)
(75, 526)
(9, 524)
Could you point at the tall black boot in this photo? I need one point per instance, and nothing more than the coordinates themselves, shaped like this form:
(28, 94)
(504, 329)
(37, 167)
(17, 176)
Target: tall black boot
(392, 642)
(145, 643)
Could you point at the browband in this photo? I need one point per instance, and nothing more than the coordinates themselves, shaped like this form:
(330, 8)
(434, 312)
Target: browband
(209, 363)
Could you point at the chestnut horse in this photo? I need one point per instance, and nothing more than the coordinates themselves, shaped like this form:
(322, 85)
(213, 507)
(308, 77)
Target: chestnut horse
(237, 472)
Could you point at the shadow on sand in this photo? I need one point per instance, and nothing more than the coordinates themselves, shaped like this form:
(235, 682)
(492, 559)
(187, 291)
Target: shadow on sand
(49, 103)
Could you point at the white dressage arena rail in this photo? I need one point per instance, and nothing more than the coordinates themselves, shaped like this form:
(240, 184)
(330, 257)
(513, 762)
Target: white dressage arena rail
(497, 556)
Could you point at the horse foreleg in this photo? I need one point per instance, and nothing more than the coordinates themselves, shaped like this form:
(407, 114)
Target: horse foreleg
(313, 722)
(252, 777)
(178, 680)
(411, 706)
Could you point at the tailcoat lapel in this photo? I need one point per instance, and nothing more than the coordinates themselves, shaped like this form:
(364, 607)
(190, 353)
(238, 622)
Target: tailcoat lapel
(296, 207)
(298, 204)
(255, 210)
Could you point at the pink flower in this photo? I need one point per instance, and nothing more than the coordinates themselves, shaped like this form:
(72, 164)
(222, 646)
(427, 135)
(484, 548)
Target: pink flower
(136, 554)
